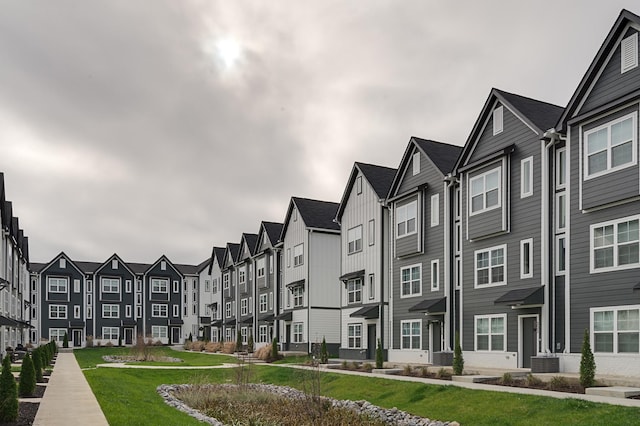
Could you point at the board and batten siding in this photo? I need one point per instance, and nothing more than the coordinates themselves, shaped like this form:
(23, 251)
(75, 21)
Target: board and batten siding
(409, 245)
(323, 286)
(324, 323)
(296, 234)
(69, 300)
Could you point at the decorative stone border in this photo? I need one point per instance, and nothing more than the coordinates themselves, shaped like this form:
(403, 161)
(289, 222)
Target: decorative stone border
(390, 417)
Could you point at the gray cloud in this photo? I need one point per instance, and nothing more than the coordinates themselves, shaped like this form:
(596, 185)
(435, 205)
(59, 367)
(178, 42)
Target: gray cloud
(120, 131)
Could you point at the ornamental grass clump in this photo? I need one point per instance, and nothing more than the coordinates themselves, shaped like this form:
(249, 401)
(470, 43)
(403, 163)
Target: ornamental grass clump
(27, 377)
(8, 393)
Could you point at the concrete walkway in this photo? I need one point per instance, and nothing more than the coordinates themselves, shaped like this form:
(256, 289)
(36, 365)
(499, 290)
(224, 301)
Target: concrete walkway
(68, 399)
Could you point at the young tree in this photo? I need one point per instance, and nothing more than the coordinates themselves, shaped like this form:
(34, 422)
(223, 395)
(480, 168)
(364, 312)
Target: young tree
(324, 355)
(274, 350)
(238, 341)
(65, 341)
(27, 377)
(458, 360)
(379, 355)
(8, 393)
(587, 363)
(250, 343)
(37, 364)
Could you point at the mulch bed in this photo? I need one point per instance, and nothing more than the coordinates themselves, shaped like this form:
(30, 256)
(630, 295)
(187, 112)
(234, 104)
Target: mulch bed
(26, 414)
(568, 387)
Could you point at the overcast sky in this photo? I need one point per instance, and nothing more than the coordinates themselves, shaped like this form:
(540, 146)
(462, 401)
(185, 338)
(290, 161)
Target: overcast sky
(167, 127)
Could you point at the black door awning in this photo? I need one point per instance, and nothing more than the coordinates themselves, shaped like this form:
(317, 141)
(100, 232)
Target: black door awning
(216, 323)
(522, 297)
(295, 284)
(367, 312)
(248, 320)
(267, 318)
(352, 275)
(129, 322)
(431, 306)
(176, 321)
(76, 324)
(285, 316)
(7, 321)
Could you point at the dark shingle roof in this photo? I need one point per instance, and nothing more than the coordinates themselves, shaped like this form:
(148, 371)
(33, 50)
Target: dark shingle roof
(380, 178)
(37, 266)
(273, 231)
(443, 155)
(87, 267)
(234, 249)
(187, 269)
(138, 268)
(317, 214)
(543, 114)
(251, 240)
(218, 253)
(204, 264)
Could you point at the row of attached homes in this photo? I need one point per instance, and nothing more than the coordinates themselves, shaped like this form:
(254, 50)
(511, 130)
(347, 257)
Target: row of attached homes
(517, 241)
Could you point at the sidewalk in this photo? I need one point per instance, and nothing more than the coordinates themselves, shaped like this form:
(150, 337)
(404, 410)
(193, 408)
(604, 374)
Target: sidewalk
(68, 399)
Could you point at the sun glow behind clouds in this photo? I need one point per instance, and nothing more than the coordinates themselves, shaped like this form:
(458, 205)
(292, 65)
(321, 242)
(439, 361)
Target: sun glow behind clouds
(228, 51)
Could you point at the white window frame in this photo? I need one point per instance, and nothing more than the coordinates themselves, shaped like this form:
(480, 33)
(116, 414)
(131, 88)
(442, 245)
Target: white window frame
(524, 259)
(561, 168)
(411, 293)
(483, 176)
(411, 335)
(354, 336)
(298, 255)
(615, 245)
(561, 211)
(127, 310)
(263, 303)
(159, 332)
(490, 334)
(354, 291)
(263, 333)
(110, 311)
(114, 264)
(176, 310)
(298, 332)
(110, 285)
(57, 334)
(57, 284)
(227, 309)
(435, 210)
(163, 265)
(261, 267)
(498, 120)
(354, 240)
(57, 311)
(159, 310)
(435, 275)
(372, 286)
(298, 296)
(629, 50)
(359, 185)
(127, 285)
(610, 169)
(244, 307)
(561, 262)
(76, 311)
(458, 273)
(371, 237)
(270, 300)
(288, 258)
(159, 285)
(490, 267)
(176, 286)
(526, 177)
(63, 262)
(402, 217)
(415, 162)
(616, 330)
(76, 286)
(110, 333)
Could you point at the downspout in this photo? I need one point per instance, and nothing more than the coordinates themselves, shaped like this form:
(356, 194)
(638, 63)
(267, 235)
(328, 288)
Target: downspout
(449, 181)
(382, 279)
(392, 246)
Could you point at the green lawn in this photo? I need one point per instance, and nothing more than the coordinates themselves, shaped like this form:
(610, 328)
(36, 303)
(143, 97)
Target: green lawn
(89, 357)
(137, 402)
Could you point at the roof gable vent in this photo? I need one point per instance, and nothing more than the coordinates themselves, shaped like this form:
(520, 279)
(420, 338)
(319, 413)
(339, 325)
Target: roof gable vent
(629, 53)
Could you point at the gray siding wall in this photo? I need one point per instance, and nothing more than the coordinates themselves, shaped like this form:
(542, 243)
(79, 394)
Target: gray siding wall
(410, 244)
(173, 298)
(70, 299)
(612, 84)
(122, 299)
(524, 218)
(492, 221)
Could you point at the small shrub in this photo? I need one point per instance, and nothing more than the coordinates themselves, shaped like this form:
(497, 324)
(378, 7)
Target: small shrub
(379, 355)
(274, 350)
(344, 365)
(238, 341)
(250, 343)
(228, 347)
(65, 341)
(89, 341)
(458, 360)
(587, 363)
(187, 345)
(407, 370)
(367, 366)
(8, 393)
(506, 379)
(558, 382)
(324, 355)
(533, 380)
(109, 344)
(354, 366)
(263, 353)
(37, 364)
(443, 373)
(424, 371)
(27, 377)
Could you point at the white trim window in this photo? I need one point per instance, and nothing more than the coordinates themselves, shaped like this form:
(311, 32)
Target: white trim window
(76, 312)
(261, 267)
(372, 286)
(411, 281)
(110, 285)
(110, 311)
(242, 275)
(263, 333)
(490, 332)
(263, 302)
(207, 286)
(243, 334)
(406, 219)
(298, 296)
(127, 310)
(526, 177)
(490, 266)
(176, 286)
(435, 210)
(411, 334)
(435, 275)
(57, 285)
(354, 336)
(127, 286)
(629, 53)
(225, 281)
(498, 120)
(354, 291)
(526, 258)
(298, 332)
(244, 307)
(561, 168)
(57, 311)
(561, 254)
(298, 255)
(176, 310)
(415, 163)
(76, 286)
(57, 334)
(159, 332)
(485, 191)
(227, 310)
(611, 146)
(372, 232)
(110, 333)
(354, 239)
(615, 245)
(561, 211)
(616, 329)
(159, 285)
(159, 310)
(359, 185)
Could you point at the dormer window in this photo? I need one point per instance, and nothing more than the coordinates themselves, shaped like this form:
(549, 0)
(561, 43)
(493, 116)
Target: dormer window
(629, 53)
(497, 120)
(416, 163)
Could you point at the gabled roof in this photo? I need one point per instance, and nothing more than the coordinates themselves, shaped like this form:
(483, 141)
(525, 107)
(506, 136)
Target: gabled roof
(204, 265)
(119, 259)
(379, 178)
(231, 252)
(316, 214)
(598, 62)
(7, 214)
(88, 267)
(187, 269)
(169, 263)
(249, 241)
(217, 256)
(442, 155)
(138, 268)
(273, 230)
(537, 115)
(2, 200)
(67, 258)
(37, 267)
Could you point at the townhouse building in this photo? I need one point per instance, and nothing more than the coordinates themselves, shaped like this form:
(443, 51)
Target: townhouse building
(216, 305)
(245, 288)
(190, 298)
(229, 280)
(310, 294)
(421, 296)
(364, 265)
(267, 260)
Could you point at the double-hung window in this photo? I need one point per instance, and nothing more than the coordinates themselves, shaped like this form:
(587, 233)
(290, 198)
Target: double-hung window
(57, 285)
(490, 266)
(355, 336)
(298, 295)
(485, 191)
(110, 333)
(261, 267)
(411, 281)
(354, 290)
(244, 307)
(159, 310)
(616, 329)
(490, 331)
(354, 239)
(615, 245)
(110, 311)
(159, 285)
(159, 331)
(263, 303)
(57, 311)
(110, 285)
(610, 147)
(298, 255)
(297, 332)
(411, 334)
(406, 219)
